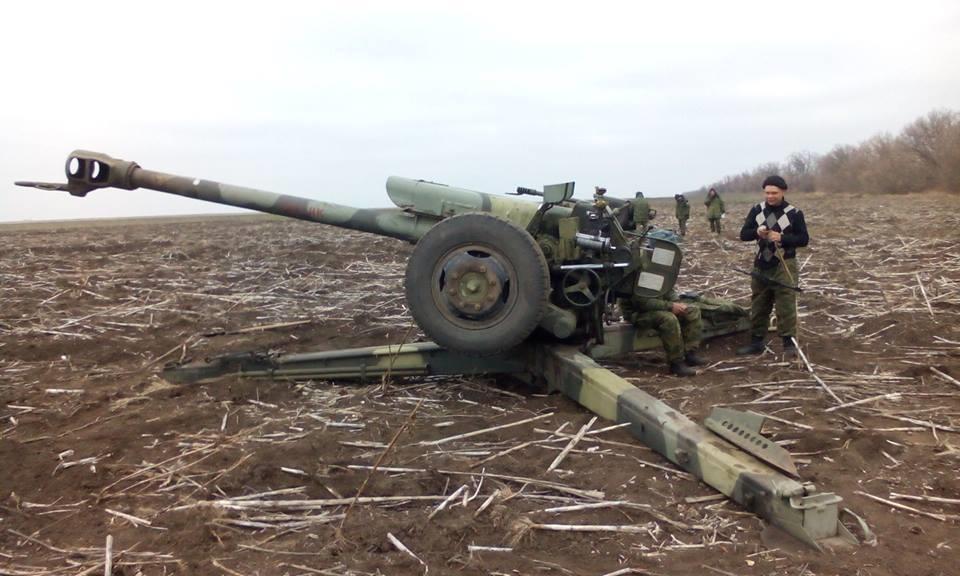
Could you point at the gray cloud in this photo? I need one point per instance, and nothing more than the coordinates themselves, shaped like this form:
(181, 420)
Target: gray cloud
(329, 99)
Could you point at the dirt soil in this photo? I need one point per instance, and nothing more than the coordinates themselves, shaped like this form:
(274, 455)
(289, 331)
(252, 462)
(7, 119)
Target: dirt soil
(93, 443)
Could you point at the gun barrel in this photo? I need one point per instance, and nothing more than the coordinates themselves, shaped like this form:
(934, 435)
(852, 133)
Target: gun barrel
(391, 222)
(419, 204)
(87, 171)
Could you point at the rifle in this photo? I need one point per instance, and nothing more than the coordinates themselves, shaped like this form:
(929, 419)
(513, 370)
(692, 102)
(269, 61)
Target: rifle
(768, 280)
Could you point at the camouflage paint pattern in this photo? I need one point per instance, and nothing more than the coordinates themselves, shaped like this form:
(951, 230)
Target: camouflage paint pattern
(414, 359)
(442, 201)
(783, 501)
(365, 364)
(421, 204)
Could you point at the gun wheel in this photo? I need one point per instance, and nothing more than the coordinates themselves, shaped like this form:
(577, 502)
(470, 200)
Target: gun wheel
(477, 284)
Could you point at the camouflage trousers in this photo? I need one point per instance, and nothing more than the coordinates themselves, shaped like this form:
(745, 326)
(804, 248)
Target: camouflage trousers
(683, 227)
(715, 225)
(680, 334)
(766, 296)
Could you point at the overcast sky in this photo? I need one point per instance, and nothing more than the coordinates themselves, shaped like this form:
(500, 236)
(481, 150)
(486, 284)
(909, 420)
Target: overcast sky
(327, 99)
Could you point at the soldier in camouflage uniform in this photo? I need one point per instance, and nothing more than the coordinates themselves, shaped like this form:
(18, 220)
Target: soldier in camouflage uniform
(779, 229)
(715, 209)
(678, 324)
(682, 213)
(641, 212)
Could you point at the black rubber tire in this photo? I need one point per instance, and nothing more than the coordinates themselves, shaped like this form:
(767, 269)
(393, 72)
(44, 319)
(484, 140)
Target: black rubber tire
(525, 304)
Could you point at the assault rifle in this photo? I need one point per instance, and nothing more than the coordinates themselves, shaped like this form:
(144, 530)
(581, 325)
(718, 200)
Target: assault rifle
(768, 280)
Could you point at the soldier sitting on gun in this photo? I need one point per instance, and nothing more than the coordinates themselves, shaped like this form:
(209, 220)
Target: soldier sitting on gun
(678, 325)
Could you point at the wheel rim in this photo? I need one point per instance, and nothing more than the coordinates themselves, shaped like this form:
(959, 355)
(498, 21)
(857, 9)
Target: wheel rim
(472, 286)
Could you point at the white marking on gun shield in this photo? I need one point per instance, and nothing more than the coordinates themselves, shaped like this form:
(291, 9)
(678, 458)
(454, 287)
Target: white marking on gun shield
(663, 256)
(650, 281)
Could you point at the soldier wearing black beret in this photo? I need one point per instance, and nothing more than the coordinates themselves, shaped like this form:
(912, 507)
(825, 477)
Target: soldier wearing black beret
(779, 229)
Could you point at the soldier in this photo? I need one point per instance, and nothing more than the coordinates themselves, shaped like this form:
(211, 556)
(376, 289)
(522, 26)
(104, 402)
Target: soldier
(683, 212)
(715, 209)
(678, 325)
(779, 229)
(641, 212)
(595, 225)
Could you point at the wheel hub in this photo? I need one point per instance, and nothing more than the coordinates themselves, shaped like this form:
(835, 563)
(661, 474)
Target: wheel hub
(473, 284)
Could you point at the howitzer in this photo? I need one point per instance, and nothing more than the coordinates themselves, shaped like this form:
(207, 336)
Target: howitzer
(487, 269)
(486, 272)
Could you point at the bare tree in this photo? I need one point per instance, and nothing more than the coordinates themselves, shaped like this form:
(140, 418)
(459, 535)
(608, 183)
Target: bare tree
(924, 156)
(891, 168)
(800, 170)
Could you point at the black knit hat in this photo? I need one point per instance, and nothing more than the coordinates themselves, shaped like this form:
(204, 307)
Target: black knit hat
(775, 181)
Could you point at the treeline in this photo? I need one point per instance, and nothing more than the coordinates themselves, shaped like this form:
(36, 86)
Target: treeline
(925, 155)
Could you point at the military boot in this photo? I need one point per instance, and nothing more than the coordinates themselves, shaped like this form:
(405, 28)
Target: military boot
(756, 346)
(694, 359)
(789, 348)
(679, 368)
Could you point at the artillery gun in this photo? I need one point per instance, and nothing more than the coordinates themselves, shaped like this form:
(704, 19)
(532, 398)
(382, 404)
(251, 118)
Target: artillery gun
(486, 270)
(507, 286)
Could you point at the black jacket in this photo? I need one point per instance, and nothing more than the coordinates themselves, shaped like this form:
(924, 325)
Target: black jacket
(787, 220)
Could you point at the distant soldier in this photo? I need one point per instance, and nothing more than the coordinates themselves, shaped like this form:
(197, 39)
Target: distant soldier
(683, 212)
(678, 325)
(641, 212)
(715, 209)
(599, 197)
(597, 225)
(779, 229)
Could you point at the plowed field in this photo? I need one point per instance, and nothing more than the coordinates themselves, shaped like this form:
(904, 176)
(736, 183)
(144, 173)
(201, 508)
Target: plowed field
(93, 443)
